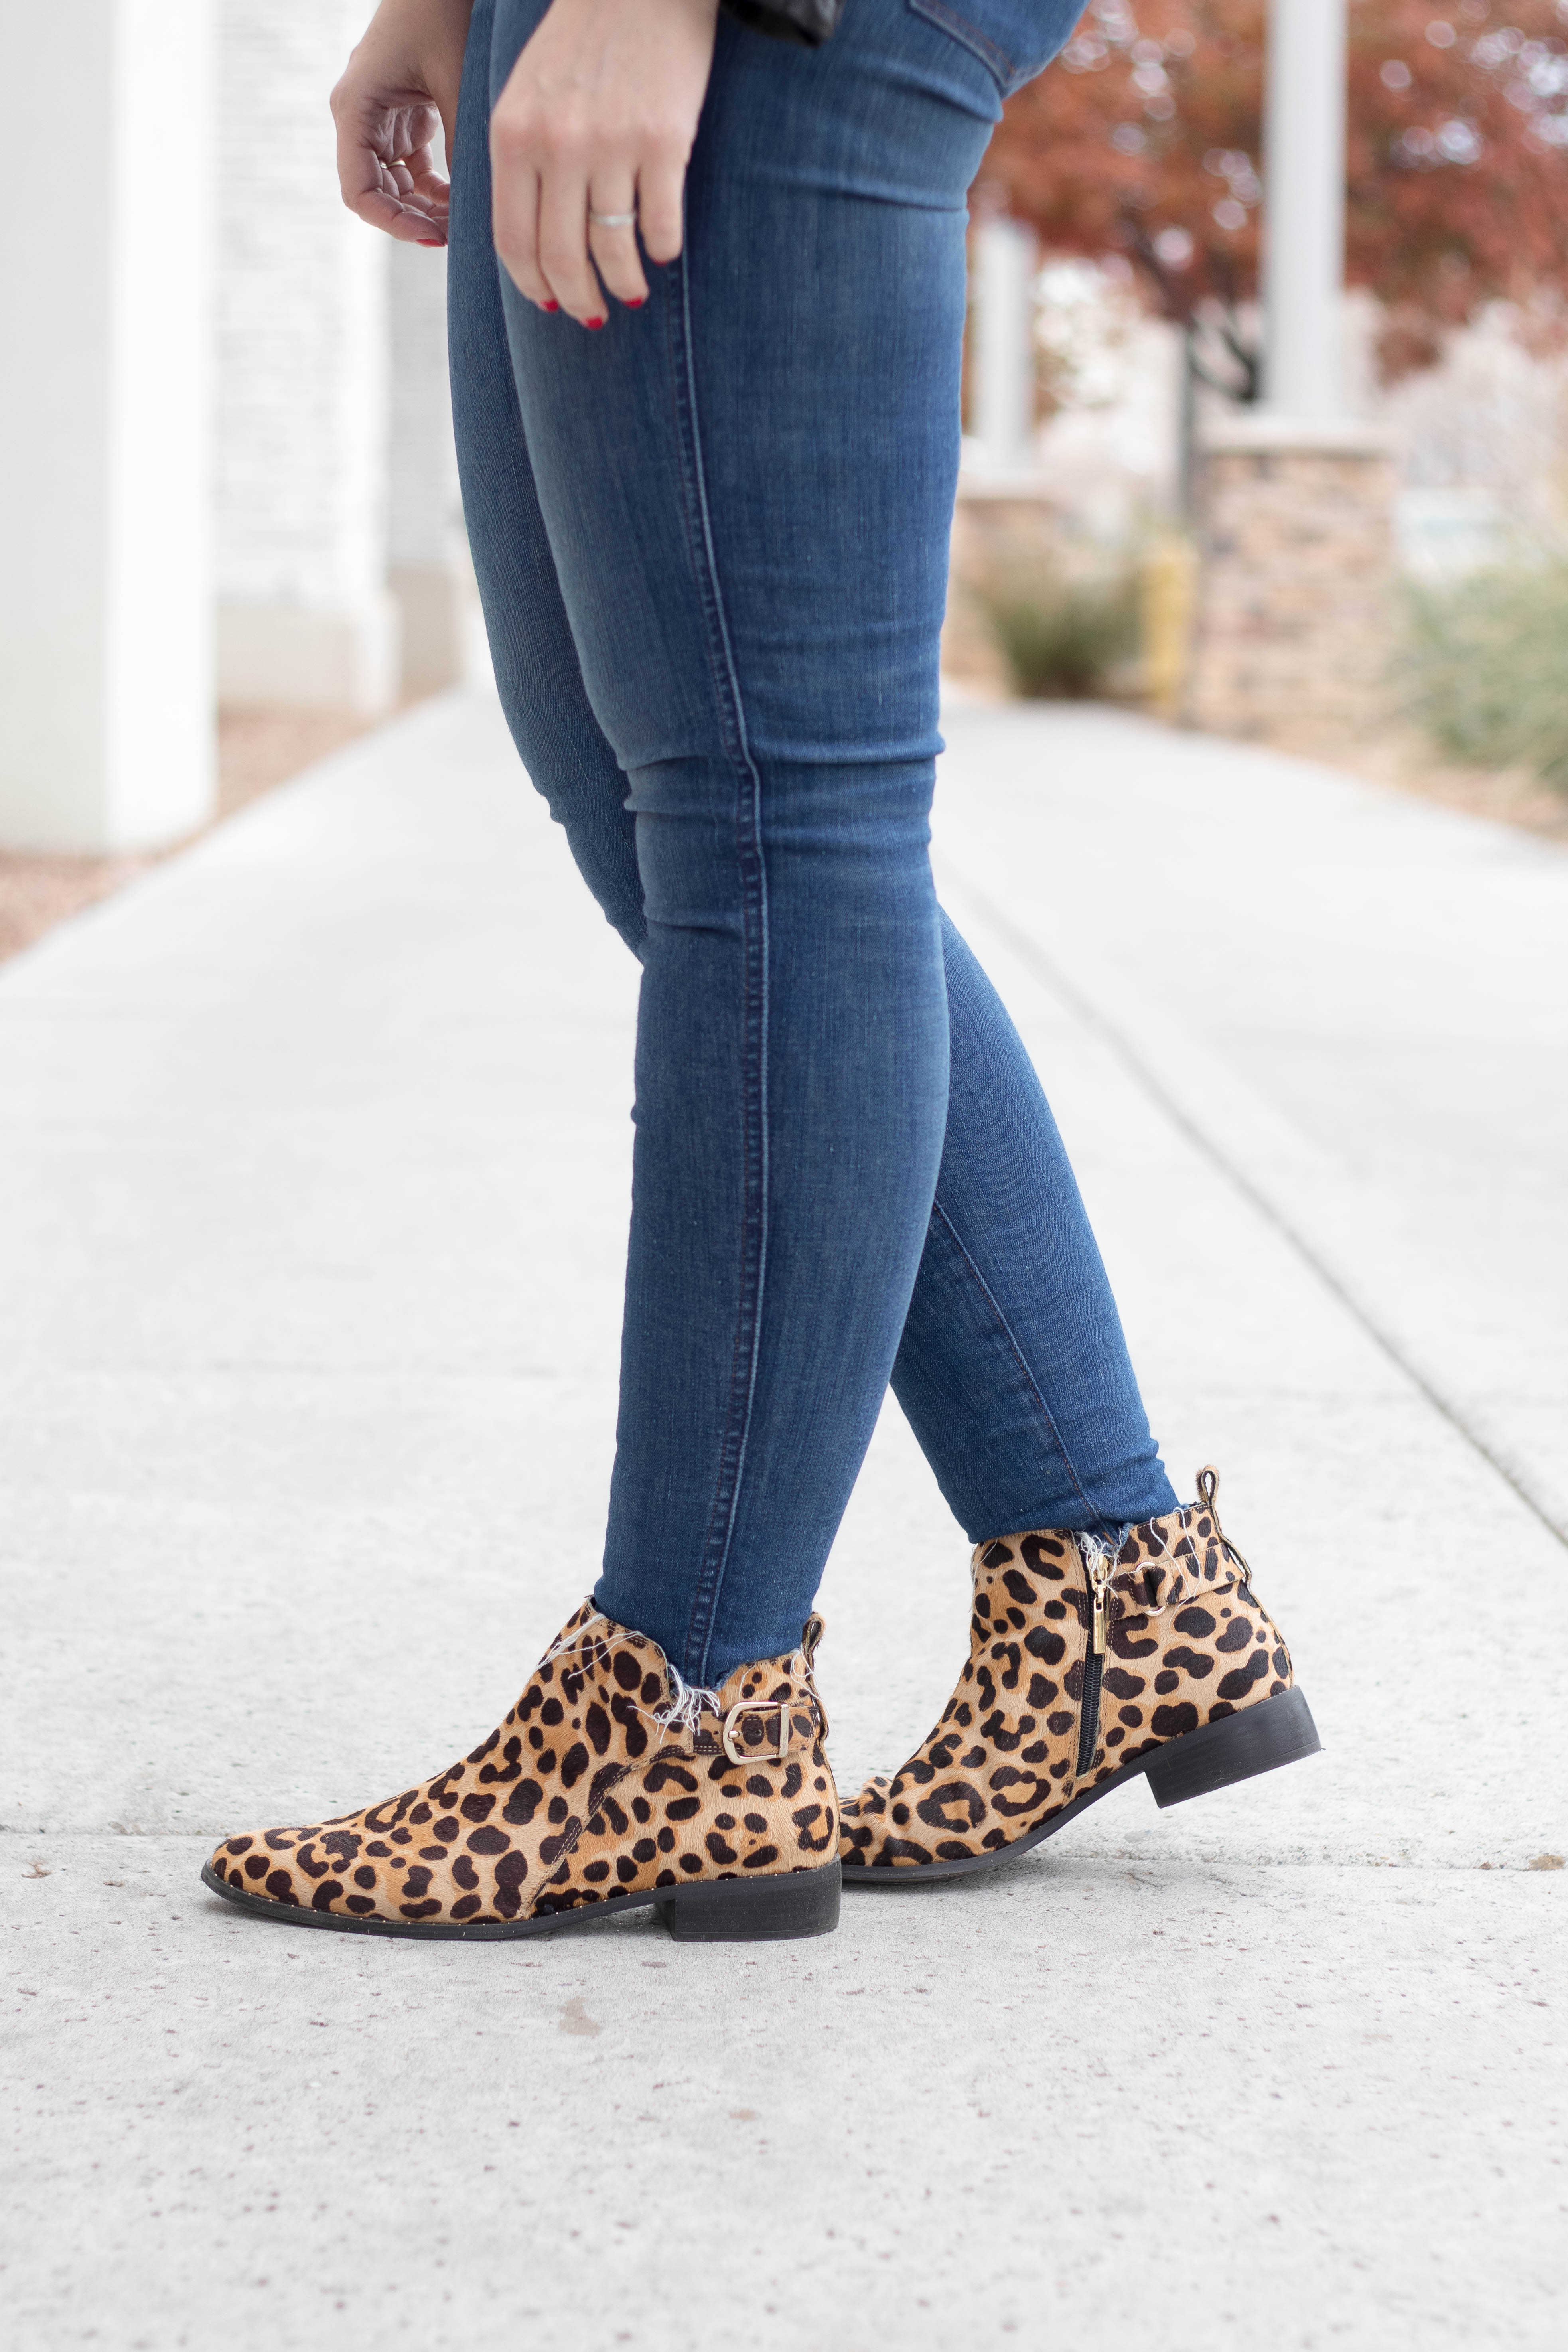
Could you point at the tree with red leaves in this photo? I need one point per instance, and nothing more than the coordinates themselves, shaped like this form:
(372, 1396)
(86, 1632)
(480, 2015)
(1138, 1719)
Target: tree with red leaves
(1143, 140)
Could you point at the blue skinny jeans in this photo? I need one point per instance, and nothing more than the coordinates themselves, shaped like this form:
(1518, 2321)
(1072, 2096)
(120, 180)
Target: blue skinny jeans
(711, 546)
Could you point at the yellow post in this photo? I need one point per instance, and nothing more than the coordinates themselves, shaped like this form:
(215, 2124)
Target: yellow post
(1167, 592)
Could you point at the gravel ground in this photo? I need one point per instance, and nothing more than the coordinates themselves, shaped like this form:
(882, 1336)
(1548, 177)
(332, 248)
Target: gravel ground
(257, 749)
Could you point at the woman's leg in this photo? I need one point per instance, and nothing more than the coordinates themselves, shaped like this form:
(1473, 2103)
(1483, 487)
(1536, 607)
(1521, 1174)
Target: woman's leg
(700, 485)
(1013, 1370)
(781, 530)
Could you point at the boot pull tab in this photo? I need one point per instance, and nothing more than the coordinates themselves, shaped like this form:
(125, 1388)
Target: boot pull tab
(1208, 1496)
(811, 1633)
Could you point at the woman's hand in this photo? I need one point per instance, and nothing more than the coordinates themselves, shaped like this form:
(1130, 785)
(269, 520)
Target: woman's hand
(599, 113)
(400, 83)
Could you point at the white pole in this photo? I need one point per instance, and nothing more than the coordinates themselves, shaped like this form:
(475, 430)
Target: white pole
(1004, 345)
(106, 736)
(1304, 207)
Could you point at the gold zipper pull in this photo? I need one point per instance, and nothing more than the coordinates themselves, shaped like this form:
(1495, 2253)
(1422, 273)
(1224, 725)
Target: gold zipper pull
(1099, 1575)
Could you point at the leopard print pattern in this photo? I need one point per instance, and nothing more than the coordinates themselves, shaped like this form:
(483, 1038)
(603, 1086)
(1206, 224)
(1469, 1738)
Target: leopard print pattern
(1186, 1642)
(582, 1796)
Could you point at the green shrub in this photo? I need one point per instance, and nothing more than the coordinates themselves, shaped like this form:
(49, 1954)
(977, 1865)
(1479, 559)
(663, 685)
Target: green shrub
(1061, 639)
(1489, 663)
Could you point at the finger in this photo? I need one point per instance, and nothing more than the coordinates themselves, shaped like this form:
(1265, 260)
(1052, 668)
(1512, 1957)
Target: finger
(410, 223)
(661, 184)
(359, 165)
(615, 250)
(563, 245)
(416, 127)
(419, 218)
(514, 213)
(430, 183)
(395, 221)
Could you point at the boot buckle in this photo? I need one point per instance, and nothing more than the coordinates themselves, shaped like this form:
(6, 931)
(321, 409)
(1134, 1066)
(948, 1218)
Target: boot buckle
(779, 1706)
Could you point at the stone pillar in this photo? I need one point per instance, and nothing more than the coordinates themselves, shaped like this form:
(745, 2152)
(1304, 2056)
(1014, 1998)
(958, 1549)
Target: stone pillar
(431, 575)
(1293, 638)
(106, 738)
(305, 617)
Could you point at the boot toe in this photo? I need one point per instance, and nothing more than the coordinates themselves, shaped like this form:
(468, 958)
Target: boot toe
(872, 1799)
(860, 1819)
(263, 1863)
(345, 1867)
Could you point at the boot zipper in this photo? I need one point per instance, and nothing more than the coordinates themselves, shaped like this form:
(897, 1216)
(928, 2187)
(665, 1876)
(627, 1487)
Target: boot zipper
(1101, 1568)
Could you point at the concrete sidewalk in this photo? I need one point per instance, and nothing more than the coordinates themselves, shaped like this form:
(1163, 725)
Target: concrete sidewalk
(312, 1199)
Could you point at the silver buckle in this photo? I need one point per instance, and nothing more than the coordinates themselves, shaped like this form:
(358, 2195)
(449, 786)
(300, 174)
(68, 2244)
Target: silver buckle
(779, 1706)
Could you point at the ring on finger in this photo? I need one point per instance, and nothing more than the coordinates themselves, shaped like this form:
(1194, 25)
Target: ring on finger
(612, 220)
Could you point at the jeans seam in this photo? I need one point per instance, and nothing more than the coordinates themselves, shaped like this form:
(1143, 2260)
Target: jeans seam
(938, 1215)
(751, 861)
(998, 64)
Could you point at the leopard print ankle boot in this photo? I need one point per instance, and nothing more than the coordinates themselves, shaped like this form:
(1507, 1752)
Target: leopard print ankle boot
(1087, 1668)
(610, 1785)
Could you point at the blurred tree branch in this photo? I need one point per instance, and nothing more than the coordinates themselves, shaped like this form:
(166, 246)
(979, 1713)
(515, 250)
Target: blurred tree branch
(1143, 141)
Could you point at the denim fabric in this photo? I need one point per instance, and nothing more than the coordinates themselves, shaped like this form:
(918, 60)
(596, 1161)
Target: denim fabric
(711, 544)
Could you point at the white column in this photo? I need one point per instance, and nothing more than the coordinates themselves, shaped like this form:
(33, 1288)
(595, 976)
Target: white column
(305, 617)
(106, 738)
(1004, 346)
(431, 574)
(1304, 207)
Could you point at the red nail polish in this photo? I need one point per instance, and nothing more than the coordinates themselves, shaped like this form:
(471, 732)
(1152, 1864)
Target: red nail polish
(636, 302)
(435, 243)
(593, 322)
(550, 306)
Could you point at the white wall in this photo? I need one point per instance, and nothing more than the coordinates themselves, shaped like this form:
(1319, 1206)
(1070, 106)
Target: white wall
(427, 512)
(431, 574)
(105, 394)
(305, 616)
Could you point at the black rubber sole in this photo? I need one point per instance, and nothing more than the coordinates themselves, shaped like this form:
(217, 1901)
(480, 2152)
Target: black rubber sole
(1237, 1748)
(707, 1911)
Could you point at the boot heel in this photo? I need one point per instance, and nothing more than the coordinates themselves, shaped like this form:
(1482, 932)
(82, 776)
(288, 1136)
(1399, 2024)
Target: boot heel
(753, 1910)
(1278, 1732)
